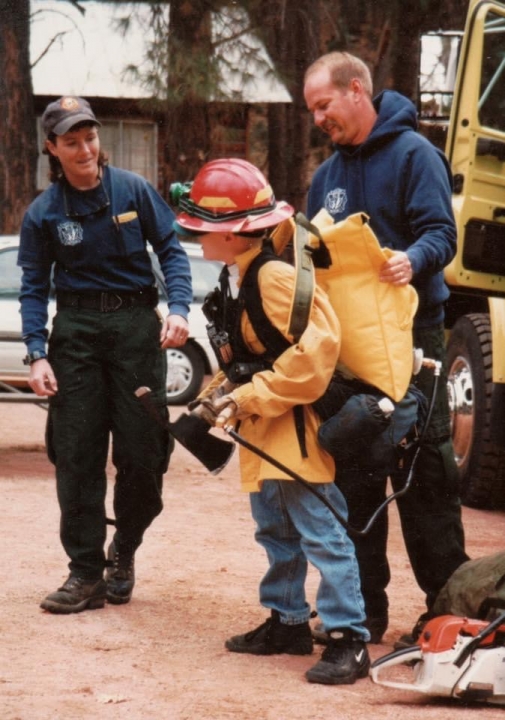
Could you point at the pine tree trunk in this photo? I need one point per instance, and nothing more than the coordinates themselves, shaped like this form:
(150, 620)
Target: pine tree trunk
(291, 33)
(190, 82)
(18, 137)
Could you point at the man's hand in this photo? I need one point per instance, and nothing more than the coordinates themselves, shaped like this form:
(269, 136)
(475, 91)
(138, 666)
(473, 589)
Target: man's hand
(397, 270)
(174, 331)
(42, 379)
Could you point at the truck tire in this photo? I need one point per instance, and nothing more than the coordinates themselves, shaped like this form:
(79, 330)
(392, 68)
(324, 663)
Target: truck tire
(469, 363)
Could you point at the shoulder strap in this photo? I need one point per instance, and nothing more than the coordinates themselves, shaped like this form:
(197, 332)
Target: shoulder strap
(273, 340)
(303, 293)
(305, 257)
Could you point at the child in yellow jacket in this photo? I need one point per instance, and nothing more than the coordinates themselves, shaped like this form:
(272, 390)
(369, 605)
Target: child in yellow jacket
(230, 208)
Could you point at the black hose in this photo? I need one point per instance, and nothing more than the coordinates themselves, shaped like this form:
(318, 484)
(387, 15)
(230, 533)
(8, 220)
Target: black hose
(311, 487)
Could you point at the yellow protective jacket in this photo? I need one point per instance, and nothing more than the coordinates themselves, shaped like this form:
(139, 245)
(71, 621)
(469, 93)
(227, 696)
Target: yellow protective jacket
(298, 377)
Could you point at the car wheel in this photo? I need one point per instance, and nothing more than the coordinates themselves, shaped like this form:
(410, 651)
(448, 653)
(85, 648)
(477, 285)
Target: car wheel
(470, 383)
(185, 373)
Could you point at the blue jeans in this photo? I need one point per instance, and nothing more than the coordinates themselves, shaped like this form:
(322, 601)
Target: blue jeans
(296, 528)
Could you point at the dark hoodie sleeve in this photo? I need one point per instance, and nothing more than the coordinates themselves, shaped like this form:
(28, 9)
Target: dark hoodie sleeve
(428, 190)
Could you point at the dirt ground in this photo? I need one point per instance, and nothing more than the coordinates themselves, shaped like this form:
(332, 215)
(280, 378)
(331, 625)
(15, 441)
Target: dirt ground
(162, 656)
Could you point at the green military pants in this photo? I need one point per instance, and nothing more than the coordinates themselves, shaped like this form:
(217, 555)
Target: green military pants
(99, 360)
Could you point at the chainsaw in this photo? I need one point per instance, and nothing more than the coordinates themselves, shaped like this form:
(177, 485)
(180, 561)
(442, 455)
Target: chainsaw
(455, 657)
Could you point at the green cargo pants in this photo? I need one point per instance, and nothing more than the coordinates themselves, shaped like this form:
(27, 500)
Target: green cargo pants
(99, 360)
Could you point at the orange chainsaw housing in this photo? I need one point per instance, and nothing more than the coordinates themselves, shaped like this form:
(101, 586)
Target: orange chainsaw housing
(440, 633)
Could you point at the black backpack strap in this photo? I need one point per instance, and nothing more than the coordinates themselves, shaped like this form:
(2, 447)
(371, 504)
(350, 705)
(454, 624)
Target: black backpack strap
(273, 340)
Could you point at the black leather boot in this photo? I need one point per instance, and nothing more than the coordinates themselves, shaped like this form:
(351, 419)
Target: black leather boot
(120, 576)
(76, 595)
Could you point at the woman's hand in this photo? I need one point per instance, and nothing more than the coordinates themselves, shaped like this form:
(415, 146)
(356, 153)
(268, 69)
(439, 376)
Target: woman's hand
(42, 379)
(174, 331)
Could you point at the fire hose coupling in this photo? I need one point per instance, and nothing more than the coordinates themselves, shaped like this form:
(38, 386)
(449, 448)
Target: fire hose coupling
(434, 365)
(419, 361)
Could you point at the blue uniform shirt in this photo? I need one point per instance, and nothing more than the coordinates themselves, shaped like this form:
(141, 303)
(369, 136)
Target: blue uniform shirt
(97, 240)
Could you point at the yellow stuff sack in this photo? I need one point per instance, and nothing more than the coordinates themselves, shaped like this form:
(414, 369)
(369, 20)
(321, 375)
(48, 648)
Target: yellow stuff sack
(376, 318)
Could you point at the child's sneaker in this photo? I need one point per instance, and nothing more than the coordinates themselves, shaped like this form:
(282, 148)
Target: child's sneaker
(344, 660)
(272, 638)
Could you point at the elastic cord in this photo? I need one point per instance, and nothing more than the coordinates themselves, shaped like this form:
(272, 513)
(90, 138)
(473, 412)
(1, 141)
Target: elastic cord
(191, 208)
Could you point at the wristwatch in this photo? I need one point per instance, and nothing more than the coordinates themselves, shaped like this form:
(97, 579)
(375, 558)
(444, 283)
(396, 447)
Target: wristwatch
(31, 357)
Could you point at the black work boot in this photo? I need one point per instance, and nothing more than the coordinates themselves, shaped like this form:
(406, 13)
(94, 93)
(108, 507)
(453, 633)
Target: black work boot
(273, 638)
(120, 576)
(76, 595)
(344, 660)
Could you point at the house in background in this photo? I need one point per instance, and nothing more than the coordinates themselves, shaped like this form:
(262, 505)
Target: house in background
(87, 55)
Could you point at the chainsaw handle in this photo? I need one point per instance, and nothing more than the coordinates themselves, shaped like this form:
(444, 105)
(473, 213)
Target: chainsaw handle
(405, 655)
(474, 644)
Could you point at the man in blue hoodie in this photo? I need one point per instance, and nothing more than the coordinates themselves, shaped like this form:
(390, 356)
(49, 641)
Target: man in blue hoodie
(383, 167)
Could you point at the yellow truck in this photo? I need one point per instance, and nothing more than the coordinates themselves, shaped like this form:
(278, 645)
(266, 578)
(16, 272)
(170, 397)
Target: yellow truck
(462, 108)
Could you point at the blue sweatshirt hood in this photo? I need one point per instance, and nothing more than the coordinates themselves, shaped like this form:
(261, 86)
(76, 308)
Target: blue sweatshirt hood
(396, 114)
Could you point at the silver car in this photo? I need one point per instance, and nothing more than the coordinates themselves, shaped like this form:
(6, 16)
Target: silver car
(187, 365)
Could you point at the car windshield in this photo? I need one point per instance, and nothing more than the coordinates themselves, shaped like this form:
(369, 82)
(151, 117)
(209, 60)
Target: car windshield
(204, 276)
(10, 273)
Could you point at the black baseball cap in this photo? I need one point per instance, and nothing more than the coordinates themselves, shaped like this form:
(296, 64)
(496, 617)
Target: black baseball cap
(61, 115)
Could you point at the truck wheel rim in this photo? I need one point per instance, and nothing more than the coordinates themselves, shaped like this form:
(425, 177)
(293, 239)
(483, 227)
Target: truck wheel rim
(461, 403)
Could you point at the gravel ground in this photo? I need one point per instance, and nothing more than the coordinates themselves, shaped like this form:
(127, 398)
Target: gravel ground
(162, 656)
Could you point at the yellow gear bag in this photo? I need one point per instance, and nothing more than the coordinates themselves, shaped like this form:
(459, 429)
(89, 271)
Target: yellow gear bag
(376, 318)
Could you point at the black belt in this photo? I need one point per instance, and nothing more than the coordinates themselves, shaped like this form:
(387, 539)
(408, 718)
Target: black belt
(107, 301)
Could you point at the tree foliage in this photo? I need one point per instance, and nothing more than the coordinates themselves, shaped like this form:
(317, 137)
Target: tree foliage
(187, 60)
(291, 33)
(194, 59)
(384, 33)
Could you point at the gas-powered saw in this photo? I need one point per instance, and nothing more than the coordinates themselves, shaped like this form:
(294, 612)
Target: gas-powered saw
(455, 657)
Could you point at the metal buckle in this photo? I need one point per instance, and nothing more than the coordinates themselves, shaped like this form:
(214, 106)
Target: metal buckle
(110, 302)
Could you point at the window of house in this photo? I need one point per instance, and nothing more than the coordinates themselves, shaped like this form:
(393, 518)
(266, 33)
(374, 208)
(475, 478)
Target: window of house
(129, 145)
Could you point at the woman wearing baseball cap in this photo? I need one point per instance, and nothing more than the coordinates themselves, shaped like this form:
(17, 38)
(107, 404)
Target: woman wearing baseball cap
(89, 231)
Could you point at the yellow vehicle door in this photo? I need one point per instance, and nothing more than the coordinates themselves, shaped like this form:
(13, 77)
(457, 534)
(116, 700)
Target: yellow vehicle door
(476, 150)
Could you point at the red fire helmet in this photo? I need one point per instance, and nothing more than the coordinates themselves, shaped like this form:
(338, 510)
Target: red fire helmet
(230, 195)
